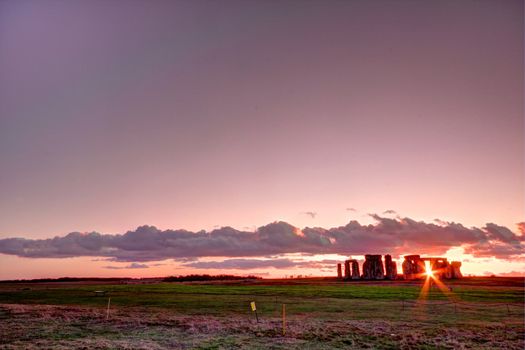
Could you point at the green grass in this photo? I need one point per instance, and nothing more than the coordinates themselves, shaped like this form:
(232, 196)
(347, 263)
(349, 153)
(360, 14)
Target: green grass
(168, 295)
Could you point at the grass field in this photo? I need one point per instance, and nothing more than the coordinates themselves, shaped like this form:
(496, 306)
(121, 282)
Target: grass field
(484, 313)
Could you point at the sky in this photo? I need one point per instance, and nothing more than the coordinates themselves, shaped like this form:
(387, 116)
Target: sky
(275, 138)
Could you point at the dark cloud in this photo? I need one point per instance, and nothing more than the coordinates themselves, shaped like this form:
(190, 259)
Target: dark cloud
(441, 222)
(243, 264)
(248, 264)
(390, 211)
(386, 236)
(351, 209)
(496, 249)
(503, 234)
(130, 266)
(500, 242)
(311, 214)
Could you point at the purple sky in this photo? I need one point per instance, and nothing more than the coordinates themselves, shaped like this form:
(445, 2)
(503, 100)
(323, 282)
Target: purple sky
(199, 114)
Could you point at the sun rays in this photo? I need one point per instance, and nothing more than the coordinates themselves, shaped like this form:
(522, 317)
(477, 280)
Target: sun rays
(428, 269)
(432, 279)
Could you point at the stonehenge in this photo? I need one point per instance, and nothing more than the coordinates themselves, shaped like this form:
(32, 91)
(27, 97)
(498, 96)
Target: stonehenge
(355, 269)
(373, 268)
(390, 268)
(455, 269)
(351, 269)
(347, 270)
(413, 267)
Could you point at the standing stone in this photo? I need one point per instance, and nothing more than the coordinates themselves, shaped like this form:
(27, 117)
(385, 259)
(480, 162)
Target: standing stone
(413, 267)
(347, 270)
(339, 272)
(390, 267)
(440, 267)
(355, 269)
(373, 268)
(455, 269)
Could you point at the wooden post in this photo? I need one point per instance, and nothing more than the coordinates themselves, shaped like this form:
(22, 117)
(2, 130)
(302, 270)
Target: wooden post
(284, 319)
(107, 312)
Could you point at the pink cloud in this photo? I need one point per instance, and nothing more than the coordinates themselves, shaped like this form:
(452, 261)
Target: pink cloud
(386, 236)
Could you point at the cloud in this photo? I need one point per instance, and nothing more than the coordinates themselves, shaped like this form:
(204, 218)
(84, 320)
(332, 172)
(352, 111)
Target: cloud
(495, 249)
(390, 211)
(243, 264)
(311, 214)
(441, 222)
(130, 266)
(512, 274)
(249, 264)
(386, 236)
(521, 228)
(351, 209)
(503, 234)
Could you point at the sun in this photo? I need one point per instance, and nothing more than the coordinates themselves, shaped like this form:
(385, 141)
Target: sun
(428, 269)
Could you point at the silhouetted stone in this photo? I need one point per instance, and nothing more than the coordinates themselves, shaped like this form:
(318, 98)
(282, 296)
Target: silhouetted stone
(413, 267)
(440, 267)
(355, 269)
(347, 270)
(373, 268)
(390, 267)
(455, 269)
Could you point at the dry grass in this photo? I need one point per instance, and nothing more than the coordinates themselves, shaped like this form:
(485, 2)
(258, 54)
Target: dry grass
(67, 327)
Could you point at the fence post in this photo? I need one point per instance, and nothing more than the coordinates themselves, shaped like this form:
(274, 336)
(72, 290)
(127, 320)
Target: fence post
(107, 312)
(284, 319)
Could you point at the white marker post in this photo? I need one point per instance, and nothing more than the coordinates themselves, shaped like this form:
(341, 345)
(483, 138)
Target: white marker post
(254, 309)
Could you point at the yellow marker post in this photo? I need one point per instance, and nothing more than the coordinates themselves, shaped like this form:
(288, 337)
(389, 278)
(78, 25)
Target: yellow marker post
(284, 319)
(254, 309)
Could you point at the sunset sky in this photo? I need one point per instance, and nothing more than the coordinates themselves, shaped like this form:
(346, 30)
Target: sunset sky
(154, 138)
